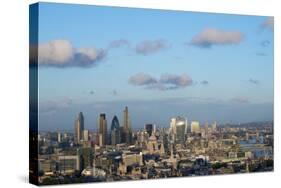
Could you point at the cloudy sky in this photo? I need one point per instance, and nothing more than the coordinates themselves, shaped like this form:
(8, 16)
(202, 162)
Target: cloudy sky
(160, 63)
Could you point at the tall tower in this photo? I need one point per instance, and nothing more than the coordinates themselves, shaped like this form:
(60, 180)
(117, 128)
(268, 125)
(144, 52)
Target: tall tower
(115, 131)
(177, 130)
(59, 137)
(102, 130)
(79, 128)
(127, 123)
(127, 130)
(148, 128)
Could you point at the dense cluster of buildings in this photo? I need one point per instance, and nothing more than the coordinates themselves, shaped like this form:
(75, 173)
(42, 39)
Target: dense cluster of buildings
(181, 149)
(117, 134)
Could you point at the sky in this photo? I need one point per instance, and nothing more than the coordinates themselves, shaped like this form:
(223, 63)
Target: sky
(159, 63)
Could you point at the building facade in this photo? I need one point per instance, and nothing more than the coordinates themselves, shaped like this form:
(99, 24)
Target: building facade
(115, 132)
(79, 128)
(102, 130)
(177, 130)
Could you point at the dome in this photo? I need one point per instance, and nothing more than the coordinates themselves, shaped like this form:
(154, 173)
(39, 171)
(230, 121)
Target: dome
(152, 138)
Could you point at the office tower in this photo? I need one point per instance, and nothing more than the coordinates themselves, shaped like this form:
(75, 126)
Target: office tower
(86, 135)
(65, 136)
(195, 127)
(59, 137)
(214, 126)
(79, 128)
(100, 139)
(127, 123)
(127, 130)
(115, 131)
(148, 128)
(122, 135)
(102, 130)
(177, 130)
(187, 127)
(154, 129)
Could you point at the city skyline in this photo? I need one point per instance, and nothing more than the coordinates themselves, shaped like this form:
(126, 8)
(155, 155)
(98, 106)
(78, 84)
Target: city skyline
(175, 67)
(182, 149)
(120, 94)
(94, 126)
(91, 118)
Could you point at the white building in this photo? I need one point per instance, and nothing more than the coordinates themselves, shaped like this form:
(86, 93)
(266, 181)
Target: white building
(86, 135)
(195, 127)
(178, 129)
(59, 137)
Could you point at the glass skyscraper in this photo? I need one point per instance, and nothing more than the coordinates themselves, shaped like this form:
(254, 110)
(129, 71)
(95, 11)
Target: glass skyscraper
(79, 128)
(115, 131)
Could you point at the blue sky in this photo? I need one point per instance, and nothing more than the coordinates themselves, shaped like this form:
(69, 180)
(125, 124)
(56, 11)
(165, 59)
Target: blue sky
(167, 63)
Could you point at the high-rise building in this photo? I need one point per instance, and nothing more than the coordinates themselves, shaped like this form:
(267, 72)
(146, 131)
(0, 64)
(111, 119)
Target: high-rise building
(59, 137)
(148, 128)
(115, 133)
(177, 129)
(127, 130)
(102, 130)
(79, 128)
(214, 126)
(195, 127)
(86, 135)
(127, 122)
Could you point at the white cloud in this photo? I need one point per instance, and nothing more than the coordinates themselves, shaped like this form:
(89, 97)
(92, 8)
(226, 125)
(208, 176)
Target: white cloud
(56, 51)
(165, 82)
(61, 53)
(211, 36)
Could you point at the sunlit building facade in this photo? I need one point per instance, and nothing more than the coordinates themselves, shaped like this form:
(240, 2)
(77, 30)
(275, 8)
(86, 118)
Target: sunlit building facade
(79, 128)
(177, 130)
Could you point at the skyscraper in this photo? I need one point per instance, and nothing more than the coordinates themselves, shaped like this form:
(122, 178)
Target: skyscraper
(177, 130)
(86, 135)
(102, 130)
(195, 127)
(148, 128)
(79, 128)
(59, 137)
(126, 130)
(127, 123)
(214, 126)
(115, 133)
